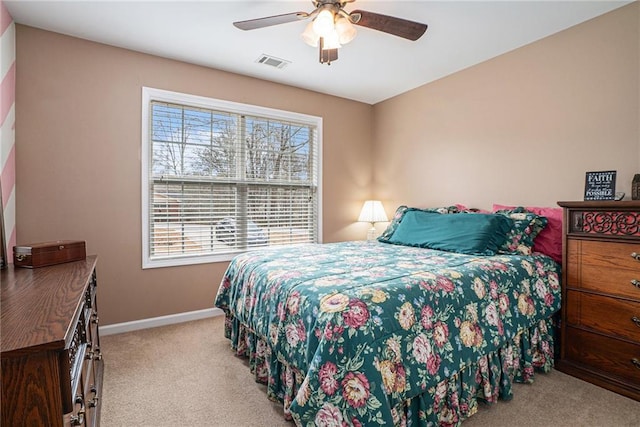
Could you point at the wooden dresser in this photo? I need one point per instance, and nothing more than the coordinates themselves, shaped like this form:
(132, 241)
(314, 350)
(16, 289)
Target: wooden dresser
(600, 328)
(51, 362)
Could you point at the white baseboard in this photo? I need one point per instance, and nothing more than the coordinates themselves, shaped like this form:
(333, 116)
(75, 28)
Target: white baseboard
(118, 328)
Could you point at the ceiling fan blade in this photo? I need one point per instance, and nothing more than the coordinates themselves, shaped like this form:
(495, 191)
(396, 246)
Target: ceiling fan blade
(268, 21)
(389, 24)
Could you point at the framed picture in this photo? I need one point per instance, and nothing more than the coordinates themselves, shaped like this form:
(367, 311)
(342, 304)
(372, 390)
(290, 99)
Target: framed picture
(600, 185)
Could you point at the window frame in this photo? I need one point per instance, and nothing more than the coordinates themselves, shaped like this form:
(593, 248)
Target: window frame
(152, 94)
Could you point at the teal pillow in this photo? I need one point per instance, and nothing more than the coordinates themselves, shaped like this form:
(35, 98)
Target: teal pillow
(397, 218)
(467, 233)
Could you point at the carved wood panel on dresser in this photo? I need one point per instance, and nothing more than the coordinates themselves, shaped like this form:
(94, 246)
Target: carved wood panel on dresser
(52, 366)
(600, 327)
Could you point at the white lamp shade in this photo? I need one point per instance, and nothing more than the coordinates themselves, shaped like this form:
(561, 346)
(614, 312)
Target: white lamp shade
(331, 41)
(323, 23)
(373, 211)
(344, 28)
(309, 36)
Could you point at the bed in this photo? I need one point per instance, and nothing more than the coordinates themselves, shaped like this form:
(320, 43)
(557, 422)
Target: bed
(395, 333)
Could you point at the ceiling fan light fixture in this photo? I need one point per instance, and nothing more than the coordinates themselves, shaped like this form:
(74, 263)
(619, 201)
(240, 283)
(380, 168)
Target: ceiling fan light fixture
(332, 26)
(323, 24)
(309, 36)
(346, 31)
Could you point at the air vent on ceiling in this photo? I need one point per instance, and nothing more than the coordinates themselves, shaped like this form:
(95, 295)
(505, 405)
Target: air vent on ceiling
(272, 61)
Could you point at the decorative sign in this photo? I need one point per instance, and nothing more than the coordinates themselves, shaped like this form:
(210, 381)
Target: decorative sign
(635, 187)
(600, 185)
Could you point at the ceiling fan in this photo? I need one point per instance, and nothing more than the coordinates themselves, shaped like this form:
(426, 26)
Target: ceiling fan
(331, 26)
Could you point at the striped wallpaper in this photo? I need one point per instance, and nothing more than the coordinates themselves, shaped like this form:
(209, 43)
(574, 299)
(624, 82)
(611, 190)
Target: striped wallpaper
(7, 124)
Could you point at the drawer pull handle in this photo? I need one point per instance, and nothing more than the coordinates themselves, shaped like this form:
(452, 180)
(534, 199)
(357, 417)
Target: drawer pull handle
(94, 402)
(635, 256)
(78, 420)
(636, 283)
(636, 362)
(635, 320)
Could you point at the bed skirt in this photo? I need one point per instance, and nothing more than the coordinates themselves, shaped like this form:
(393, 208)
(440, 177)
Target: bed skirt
(446, 404)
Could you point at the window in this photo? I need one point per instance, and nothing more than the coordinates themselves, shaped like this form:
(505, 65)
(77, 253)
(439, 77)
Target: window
(220, 178)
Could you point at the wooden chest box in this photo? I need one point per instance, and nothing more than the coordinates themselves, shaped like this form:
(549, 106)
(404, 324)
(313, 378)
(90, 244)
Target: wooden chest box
(34, 255)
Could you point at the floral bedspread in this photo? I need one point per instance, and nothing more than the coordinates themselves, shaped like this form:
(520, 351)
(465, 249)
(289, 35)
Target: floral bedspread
(369, 325)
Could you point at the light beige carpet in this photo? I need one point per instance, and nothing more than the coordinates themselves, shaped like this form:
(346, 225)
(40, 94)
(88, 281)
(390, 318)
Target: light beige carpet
(186, 375)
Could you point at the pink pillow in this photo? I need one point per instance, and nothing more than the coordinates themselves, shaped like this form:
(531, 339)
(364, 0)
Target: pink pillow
(549, 241)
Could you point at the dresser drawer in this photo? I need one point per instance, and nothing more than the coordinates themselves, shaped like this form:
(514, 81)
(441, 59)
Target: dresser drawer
(607, 315)
(605, 267)
(608, 356)
(605, 254)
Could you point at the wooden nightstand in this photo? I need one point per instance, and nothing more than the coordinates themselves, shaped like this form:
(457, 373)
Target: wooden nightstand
(600, 327)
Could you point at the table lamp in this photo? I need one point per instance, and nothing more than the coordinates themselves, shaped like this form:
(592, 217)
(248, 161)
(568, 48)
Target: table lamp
(372, 211)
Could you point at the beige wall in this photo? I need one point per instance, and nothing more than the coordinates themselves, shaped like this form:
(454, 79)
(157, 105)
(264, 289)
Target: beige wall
(78, 118)
(522, 128)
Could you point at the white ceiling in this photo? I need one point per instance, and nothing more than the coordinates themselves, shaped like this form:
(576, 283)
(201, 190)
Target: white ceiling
(373, 67)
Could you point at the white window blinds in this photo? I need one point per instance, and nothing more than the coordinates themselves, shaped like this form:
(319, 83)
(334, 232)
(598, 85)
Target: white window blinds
(222, 178)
